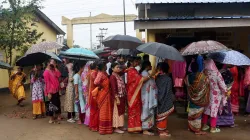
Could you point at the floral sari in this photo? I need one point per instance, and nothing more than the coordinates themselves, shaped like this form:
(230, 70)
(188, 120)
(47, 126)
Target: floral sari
(16, 87)
(104, 103)
(134, 84)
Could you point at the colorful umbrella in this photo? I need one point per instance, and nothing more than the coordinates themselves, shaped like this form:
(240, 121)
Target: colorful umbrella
(43, 47)
(33, 59)
(4, 65)
(161, 50)
(79, 54)
(122, 42)
(203, 47)
(230, 57)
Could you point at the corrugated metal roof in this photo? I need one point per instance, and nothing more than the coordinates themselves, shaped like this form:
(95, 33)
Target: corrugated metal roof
(189, 1)
(193, 18)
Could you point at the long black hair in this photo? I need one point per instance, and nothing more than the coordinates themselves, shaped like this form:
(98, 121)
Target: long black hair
(100, 65)
(145, 64)
(163, 67)
(113, 65)
(132, 59)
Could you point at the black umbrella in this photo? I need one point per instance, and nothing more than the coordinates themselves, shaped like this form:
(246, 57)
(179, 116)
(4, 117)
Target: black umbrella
(161, 50)
(132, 52)
(33, 59)
(122, 42)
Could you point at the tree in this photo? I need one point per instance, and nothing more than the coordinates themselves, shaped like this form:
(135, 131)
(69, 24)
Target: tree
(18, 31)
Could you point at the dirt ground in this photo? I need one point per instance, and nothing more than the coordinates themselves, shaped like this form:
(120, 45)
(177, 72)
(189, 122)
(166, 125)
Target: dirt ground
(16, 124)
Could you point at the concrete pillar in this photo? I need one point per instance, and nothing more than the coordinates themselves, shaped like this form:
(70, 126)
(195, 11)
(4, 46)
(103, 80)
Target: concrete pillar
(70, 34)
(150, 37)
(138, 34)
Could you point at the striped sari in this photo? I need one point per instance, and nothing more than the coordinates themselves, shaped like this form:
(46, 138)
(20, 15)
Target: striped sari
(104, 103)
(198, 95)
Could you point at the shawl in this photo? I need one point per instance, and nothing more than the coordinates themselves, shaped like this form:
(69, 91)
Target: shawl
(198, 88)
(165, 93)
(120, 85)
(51, 79)
(85, 77)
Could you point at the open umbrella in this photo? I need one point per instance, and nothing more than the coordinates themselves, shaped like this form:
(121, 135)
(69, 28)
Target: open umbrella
(79, 54)
(131, 52)
(161, 50)
(4, 65)
(230, 57)
(43, 47)
(33, 59)
(54, 56)
(102, 50)
(203, 47)
(122, 42)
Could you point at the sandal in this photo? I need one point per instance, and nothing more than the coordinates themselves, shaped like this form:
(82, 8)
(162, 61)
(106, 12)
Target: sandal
(34, 117)
(50, 122)
(205, 128)
(215, 130)
(148, 133)
(164, 134)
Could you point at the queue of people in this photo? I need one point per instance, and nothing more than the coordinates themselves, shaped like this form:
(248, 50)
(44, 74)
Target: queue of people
(98, 94)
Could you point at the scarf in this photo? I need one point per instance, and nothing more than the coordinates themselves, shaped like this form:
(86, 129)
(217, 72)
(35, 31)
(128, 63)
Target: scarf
(120, 85)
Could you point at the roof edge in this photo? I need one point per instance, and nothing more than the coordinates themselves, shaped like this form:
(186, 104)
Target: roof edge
(58, 30)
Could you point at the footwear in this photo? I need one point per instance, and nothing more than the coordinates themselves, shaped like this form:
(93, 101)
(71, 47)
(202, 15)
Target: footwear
(205, 127)
(164, 135)
(76, 119)
(215, 130)
(71, 120)
(148, 133)
(50, 121)
(119, 131)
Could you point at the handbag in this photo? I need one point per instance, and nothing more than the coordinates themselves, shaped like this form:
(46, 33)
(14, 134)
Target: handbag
(95, 92)
(178, 82)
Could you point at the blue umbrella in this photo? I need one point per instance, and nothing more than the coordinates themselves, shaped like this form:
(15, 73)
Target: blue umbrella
(230, 57)
(79, 54)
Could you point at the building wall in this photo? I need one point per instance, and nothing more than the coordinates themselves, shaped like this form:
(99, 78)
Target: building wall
(48, 34)
(175, 10)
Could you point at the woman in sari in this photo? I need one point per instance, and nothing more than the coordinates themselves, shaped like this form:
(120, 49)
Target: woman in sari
(198, 97)
(217, 95)
(227, 117)
(103, 98)
(235, 90)
(118, 98)
(37, 92)
(134, 84)
(165, 99)
(79, 97)
(94, 115)
(16, 86)
(149, 100)
(69, 95)
(85, 88)
(51, 78)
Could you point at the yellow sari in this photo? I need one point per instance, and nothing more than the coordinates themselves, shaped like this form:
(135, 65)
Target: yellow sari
(16, 87)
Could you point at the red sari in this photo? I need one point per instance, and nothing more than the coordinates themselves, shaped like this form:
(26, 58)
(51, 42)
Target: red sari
(235, 90)
(94, 116)
(104, 103)
(134, 84)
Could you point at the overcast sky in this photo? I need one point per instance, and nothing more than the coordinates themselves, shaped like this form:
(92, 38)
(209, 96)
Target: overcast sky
(55, 9)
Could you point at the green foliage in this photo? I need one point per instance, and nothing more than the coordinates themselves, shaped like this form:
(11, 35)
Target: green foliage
(17, 32)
